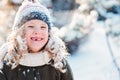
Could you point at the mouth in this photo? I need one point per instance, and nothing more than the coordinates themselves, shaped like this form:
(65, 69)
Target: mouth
(36, 38)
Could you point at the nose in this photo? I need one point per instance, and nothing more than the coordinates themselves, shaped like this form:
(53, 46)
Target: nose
(36, 32)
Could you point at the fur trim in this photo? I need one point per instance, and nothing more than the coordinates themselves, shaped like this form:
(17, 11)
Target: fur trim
(35, 59)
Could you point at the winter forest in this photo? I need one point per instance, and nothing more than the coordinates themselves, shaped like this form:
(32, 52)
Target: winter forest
(89, 28)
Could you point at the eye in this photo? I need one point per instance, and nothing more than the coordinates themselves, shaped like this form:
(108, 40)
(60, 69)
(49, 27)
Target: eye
(30, 26)
(43, 27)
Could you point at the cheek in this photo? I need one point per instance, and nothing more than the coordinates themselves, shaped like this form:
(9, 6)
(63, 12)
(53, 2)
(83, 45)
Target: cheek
(27, 35)
(46, 35)
(28, 32)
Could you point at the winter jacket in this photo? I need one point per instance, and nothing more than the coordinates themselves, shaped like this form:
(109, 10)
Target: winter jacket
(45, 72)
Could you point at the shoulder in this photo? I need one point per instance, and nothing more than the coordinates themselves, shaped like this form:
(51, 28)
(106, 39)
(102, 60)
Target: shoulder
(68, 75)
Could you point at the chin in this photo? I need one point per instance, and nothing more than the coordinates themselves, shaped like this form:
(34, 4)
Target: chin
(34, 50)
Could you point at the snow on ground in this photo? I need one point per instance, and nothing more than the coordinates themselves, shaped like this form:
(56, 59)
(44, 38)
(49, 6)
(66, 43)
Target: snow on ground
(93, 60)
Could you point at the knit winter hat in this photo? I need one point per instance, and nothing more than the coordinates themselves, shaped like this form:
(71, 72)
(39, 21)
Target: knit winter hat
(29, 10)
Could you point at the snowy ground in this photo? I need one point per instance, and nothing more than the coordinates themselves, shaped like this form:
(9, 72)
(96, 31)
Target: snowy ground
(93, 60)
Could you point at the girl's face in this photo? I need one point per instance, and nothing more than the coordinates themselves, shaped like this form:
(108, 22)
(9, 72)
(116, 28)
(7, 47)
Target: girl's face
(36, 34)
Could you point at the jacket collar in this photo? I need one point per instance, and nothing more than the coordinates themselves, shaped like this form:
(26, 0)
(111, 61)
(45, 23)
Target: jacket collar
(35, 59)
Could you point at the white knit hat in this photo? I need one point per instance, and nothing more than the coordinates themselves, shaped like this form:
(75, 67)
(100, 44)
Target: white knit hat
(29, 10)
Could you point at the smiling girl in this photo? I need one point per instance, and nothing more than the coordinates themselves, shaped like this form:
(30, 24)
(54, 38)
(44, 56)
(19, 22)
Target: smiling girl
(32, 52)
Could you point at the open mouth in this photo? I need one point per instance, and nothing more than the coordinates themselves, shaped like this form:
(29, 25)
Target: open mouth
(36, 38)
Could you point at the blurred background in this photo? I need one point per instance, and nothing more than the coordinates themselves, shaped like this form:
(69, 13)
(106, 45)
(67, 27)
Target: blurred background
(90, 29)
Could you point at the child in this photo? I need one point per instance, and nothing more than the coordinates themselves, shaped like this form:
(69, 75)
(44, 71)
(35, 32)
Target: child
(32, 51)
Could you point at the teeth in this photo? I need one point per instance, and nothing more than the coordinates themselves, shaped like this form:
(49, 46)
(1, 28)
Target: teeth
(36, 39)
